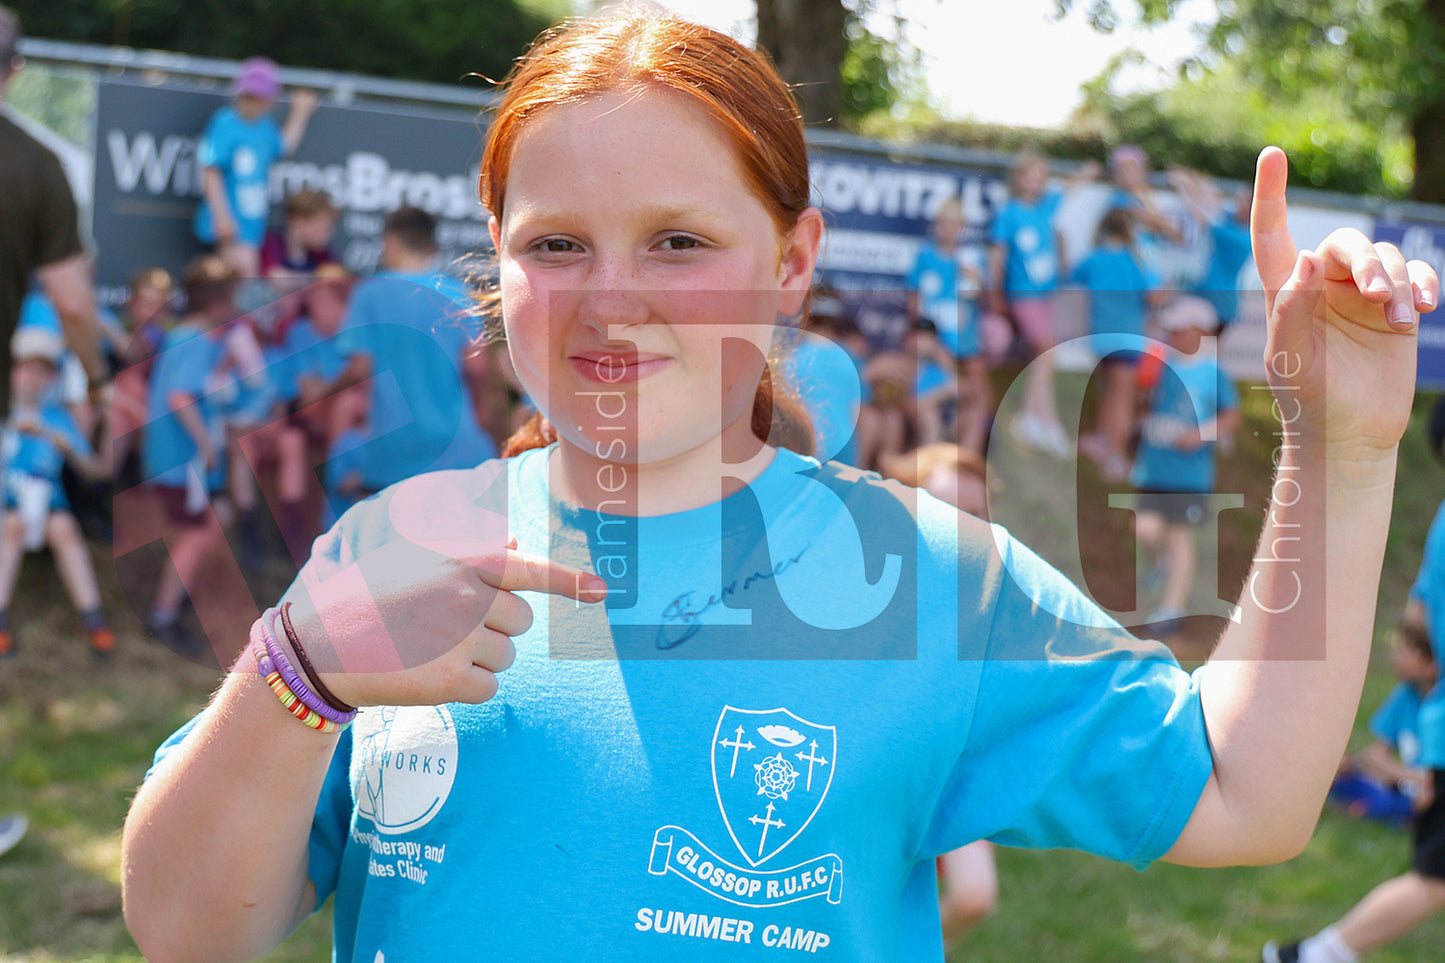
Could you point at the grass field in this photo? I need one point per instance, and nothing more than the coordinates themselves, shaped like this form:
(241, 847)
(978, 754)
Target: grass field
(76, 737)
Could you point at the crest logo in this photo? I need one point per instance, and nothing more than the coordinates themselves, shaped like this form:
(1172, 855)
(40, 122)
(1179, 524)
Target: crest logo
(771, 770)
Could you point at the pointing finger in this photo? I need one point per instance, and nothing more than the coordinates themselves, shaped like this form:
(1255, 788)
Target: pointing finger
(516, 571)
(1274, 249)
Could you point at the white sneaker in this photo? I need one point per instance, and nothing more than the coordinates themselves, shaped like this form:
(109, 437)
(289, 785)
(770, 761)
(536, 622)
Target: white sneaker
(12, 830)
(1054, 439)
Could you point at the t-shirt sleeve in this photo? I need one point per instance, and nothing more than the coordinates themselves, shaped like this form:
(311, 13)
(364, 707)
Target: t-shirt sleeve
(70, 431)
(1000, 229)
(1388, 721)
(915, 273)
(1228, 393)
(1082, 737)
(215, 149)
(59, 236)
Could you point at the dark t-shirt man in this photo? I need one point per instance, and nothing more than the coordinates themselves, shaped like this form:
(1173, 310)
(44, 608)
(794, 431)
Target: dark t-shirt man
(38, 226)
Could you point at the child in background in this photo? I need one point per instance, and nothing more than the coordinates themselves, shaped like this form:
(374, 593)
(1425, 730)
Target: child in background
(1228, 225)
(304, 244)
(1383, 781)
(943, 287)
(184, 448)
(146, 315)
(935, 390)
(1129, 170)
(1026, 261)
(240, 144)
(1193, 406)
(1121, 291)
(319, 405)
(1401, 903)
(39, 437)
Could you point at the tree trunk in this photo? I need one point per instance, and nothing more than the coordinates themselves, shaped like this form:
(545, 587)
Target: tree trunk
(808, 40)
(1428, 128)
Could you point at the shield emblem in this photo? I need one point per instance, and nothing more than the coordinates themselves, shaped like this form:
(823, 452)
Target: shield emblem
(771, 770)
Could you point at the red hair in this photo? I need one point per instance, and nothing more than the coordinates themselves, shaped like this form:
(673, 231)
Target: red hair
(736, 87)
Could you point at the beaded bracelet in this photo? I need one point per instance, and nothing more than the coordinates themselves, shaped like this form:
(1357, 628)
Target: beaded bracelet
(292, 678)
(273, 665)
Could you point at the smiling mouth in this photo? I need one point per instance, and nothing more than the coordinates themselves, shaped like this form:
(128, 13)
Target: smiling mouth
(612, 368)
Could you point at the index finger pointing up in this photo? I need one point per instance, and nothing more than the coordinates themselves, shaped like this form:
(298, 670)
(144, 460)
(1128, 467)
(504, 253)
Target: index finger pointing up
(1274, 249)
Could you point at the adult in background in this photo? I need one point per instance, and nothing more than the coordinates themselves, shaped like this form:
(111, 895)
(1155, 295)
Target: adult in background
(39, 232)
(411, 327)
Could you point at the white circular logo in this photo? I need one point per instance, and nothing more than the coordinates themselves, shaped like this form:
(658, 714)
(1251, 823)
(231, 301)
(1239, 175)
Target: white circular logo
(403, 766)
(245, 162)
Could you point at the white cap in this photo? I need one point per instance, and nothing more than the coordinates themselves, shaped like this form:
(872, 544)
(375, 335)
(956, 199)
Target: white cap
(1189, 311)
(33, 342)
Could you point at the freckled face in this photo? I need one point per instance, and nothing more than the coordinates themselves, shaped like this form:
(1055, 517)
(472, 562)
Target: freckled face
(641, 278)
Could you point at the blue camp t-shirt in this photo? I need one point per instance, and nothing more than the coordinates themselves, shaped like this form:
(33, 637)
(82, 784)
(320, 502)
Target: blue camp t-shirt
(306, 354)
(1397, 722)
(37, 456)
(826, 379)
(243, 151)
(1429, 588)
(793, 700)
(1190, 392)
(1230, 249)
(1031, 252)
(187, 357)
(415, 328)
(938, 278)
(1118, 287)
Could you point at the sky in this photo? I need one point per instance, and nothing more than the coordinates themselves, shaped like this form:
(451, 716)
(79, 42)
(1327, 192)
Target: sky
(1033, 80)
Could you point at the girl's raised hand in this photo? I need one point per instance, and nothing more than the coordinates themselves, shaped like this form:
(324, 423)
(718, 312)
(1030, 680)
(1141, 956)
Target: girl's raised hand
(1342, 327)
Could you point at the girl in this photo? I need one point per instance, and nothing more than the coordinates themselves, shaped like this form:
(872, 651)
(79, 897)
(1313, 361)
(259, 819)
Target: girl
(1026, 258)
(803, 683)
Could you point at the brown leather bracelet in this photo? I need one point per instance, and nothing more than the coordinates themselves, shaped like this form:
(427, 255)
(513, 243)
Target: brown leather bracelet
(307, 669)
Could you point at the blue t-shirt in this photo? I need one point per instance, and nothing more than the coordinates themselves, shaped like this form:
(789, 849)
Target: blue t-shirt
(1397, 722)
(184, 363)
(1230, 249)
(1429, 588)
(1118, 287)
(937, 277)
(26, 455)
(1191, 391)
(793, 701)
(306, 354)
(243, 151)
(826, 379)
(1031, 252)
(416, 328)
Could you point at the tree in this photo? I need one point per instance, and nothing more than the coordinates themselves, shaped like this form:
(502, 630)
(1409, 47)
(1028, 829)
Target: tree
(1379, 58)
(808, 40)
(432, 40)
(840, 66)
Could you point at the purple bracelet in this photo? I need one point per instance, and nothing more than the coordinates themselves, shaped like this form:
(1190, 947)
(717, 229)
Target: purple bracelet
(293, 681)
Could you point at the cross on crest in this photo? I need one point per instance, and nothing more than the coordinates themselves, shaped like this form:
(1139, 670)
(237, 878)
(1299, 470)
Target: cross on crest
(769, 742)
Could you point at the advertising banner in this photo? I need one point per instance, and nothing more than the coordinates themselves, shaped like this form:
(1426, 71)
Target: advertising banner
(147, 181)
